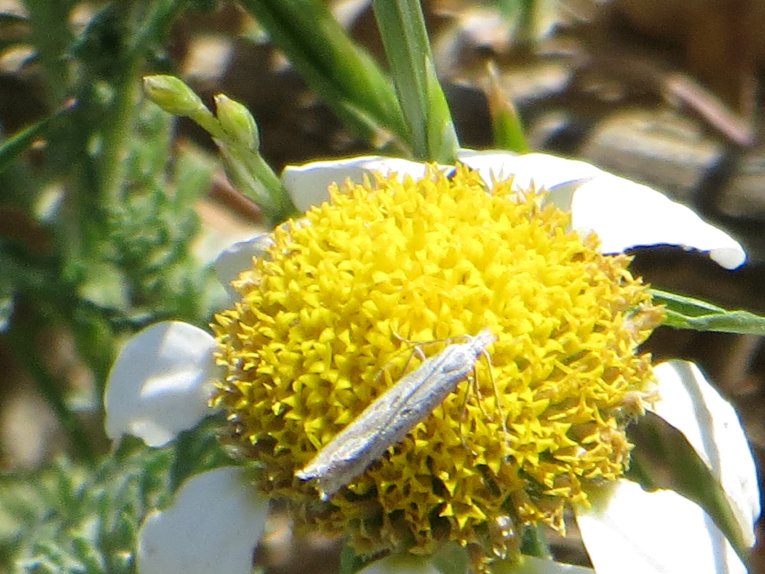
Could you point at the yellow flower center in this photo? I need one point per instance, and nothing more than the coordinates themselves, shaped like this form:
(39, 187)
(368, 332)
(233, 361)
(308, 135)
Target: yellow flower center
(366, 287)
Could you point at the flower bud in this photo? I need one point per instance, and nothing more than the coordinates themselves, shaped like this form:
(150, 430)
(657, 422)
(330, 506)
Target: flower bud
(237, 121)
(172, 95)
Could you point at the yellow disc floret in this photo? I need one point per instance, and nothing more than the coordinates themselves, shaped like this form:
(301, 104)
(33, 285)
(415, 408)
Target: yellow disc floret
(367, 286)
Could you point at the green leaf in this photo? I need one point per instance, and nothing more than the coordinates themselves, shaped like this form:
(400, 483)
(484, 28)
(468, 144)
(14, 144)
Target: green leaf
(74, 519)
(688, 313)
(345, 76)
(402, 27)
(6, 301)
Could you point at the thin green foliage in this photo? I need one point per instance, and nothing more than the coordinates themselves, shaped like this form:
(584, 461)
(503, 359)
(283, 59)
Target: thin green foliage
(71, 518)
(22, 141)
(506, 124)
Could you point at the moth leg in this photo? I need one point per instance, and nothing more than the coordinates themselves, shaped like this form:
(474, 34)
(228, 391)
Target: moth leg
(500, 410)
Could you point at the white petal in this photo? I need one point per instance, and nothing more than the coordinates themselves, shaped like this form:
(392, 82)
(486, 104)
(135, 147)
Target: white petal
(213, 525)
(533, 169)
(238, 257)
(401, 564)
(691, 405)
(160, 383)
(631, 531)
(623, 213)
(307, 184)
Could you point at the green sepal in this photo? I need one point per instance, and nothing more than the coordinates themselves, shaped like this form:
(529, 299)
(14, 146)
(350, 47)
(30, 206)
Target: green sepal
(451, 558)
(350, 562)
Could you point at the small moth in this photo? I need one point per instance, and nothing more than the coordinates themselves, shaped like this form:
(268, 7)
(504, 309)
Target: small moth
(388, 419)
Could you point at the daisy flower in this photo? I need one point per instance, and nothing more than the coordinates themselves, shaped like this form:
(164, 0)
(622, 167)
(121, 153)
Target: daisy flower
(392, 262)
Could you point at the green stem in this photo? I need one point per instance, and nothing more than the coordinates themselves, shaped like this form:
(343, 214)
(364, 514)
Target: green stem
(345, 76)
(120, 117)
(116, 132)
(51, 37)
(525, 28)
(255, 178)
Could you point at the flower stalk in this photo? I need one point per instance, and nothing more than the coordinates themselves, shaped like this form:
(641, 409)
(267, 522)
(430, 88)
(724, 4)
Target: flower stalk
(236, 134)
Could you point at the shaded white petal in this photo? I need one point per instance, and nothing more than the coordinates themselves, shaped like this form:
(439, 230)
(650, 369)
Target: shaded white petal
(213, 525)
(623, 213)
(527, 170)
(307, 184)
(533, 565)
(160, 383)
(401, 564)
(238, 257)
(631, 531)
(710, 424)
(410, 564)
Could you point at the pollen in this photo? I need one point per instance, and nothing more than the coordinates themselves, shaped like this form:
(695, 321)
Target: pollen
(366, 287)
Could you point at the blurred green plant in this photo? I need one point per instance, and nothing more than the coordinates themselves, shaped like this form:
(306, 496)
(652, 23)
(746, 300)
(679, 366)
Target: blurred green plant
(343, 74)
(96, 224)
(98, 220)
(74, 518)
